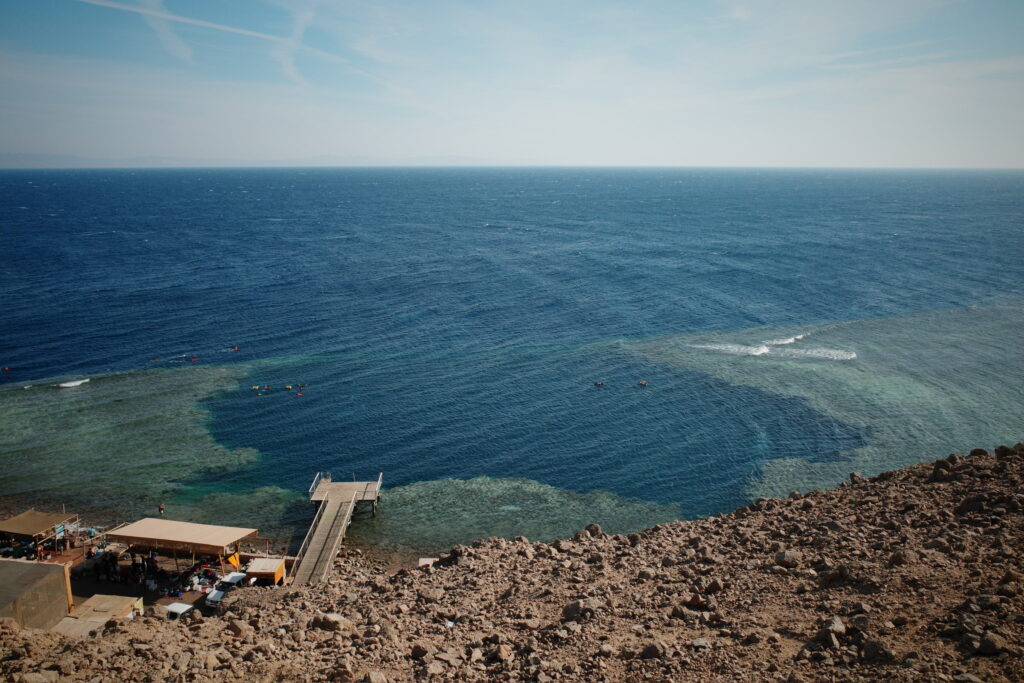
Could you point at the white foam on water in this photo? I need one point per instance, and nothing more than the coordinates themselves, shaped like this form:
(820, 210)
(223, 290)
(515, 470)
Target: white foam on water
(826, 354)
(787, 340)
(765, 349)
(735, 349)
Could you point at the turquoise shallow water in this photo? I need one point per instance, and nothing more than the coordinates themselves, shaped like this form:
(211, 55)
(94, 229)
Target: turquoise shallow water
(449, 326)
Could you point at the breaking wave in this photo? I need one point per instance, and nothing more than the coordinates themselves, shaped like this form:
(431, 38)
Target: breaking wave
(827, 354)
(787, 340)
(735, 349)
(765, 349)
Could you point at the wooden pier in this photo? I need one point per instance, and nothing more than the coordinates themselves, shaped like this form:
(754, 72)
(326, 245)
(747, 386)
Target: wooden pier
(336, 501)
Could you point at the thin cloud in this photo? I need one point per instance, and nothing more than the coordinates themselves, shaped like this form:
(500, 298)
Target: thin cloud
(171, 42)
(284, 52)
(854, 54)
(741, 14)
(163, 14)
(891, 63)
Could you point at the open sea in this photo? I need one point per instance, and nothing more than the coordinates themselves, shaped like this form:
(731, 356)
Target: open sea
(447, 327)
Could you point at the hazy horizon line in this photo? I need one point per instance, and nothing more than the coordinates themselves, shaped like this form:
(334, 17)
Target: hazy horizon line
(426, 166)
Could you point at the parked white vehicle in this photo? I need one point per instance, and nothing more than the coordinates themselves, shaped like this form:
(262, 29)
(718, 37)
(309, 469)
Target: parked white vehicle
(232, 580)
(176, 610)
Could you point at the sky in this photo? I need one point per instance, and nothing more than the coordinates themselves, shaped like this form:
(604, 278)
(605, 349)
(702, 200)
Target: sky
(789, 83)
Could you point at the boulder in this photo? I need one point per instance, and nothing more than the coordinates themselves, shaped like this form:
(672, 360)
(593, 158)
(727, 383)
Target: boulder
(877, 651)
(431, 594)
(653, 650)
(831, 631)
(239, 628)
(502, 653)
(972, 503)
(788, 558)
(903, 556)
(582, 609)
(421, 649)
(992, 644)
(334, 622)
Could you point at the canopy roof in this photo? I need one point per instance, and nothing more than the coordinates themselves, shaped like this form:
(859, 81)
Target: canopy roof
(103, 607)
(171, 535)
(264, 565)
(34, 523)
(92, 614)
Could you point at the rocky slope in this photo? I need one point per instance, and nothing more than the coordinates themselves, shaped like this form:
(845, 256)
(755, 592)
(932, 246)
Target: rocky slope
(912, 575)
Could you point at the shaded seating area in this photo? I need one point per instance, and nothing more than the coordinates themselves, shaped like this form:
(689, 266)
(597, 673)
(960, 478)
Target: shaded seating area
(160, 559)
(38, 535)
(184, 538)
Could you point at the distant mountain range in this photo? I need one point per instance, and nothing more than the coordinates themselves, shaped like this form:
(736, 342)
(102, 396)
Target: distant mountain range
(28, 161)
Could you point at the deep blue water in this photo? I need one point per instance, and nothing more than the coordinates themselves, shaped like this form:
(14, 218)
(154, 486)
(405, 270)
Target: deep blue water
(451, 322)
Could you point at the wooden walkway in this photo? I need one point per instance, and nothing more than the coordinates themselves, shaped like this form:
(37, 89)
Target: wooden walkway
(337, 502)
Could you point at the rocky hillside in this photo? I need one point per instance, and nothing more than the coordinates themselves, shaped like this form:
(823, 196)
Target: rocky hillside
(912, 575)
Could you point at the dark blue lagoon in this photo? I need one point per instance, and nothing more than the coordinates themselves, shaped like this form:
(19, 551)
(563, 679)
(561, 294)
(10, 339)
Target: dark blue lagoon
(447, 327)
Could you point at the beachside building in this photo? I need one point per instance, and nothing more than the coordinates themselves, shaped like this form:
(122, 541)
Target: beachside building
(38, 528)
(35, 594)
(93, 614)
(268, 571)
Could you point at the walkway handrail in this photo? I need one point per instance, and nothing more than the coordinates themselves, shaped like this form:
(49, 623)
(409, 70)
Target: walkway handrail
(309, 534)
(332, 539)
(330, 547)
(316, 481)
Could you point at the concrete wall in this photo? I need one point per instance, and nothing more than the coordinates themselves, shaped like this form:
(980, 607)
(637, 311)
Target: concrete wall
(36, 595)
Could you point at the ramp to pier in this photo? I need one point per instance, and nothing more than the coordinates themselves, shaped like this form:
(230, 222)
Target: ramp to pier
(338, 502)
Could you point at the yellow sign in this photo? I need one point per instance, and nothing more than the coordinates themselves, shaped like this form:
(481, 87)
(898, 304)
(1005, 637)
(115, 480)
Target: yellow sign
(233, 559)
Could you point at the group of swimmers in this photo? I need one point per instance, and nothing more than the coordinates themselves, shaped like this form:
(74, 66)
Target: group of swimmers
(266, 388)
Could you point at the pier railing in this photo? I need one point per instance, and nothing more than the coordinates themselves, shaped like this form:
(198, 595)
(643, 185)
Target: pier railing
(320, 476)
(309, 534)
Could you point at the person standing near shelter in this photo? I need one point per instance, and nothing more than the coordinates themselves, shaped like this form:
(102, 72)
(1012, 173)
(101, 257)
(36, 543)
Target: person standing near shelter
(160, 508)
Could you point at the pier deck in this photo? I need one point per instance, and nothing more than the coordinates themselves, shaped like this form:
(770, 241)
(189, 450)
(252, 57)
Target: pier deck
(337, 502)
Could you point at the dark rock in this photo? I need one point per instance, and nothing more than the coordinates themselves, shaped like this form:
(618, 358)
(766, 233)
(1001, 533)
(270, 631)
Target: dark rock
(834, 627)
(239, 628)
(333, 622)
(696, 601)
(903, 556)
(877, 651)
(421, 649)
(655, 650)
(582, 609)
(431, 594)
(788, 558)
(502, 653)
(972, 503)
(992, 644)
